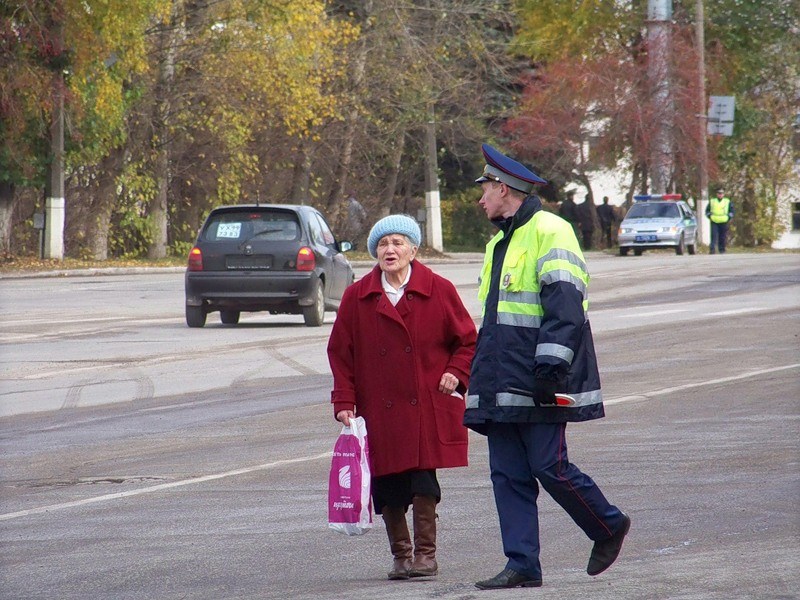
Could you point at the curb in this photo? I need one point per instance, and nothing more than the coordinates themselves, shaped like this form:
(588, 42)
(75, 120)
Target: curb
(94, 272)
(109, 271)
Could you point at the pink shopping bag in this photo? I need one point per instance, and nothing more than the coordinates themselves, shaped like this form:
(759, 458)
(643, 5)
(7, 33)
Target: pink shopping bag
(349, 499)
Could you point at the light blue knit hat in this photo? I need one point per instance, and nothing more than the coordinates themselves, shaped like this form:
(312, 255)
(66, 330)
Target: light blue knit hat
(402, 224)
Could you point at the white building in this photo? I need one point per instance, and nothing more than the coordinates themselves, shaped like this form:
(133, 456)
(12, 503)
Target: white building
(789, 215)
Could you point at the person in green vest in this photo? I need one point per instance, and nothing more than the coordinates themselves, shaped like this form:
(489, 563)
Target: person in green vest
(720, 212)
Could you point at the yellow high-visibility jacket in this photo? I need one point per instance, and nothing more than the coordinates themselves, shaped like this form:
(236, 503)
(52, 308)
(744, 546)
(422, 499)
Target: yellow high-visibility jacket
(719, 210)
(534, 292)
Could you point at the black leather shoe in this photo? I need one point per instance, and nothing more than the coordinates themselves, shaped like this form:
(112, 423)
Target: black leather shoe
(508, 578)
(606, 552)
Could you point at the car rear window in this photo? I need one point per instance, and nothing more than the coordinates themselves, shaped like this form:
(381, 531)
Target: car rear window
(265, 225)
(653, 211)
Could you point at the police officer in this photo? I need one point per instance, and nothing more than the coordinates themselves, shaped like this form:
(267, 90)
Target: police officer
(720, 211)
(533, 371)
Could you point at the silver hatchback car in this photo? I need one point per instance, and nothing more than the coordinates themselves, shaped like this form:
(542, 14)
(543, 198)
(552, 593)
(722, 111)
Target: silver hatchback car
(658, 222)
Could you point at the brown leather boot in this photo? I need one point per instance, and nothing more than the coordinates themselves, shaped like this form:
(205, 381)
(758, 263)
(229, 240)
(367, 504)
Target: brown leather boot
(424, 564)
(399, 540)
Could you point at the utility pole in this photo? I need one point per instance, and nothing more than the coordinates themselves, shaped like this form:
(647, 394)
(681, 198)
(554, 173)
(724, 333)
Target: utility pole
(54, 203)
(659, 49)
(433, 210)
(699, 26)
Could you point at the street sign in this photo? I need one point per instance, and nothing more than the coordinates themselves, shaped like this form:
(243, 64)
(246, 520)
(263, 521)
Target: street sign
(721, 107)
(720, 115)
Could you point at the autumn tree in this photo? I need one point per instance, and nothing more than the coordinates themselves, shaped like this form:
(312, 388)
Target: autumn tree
(589, 105)
(413, 62)
(755, 49)
(96, 46)
(225, 80)
(245, 100)
(25, 85)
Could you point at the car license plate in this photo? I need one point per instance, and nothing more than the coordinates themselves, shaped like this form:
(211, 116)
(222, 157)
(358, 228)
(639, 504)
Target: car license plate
(248, 262)
(646, 238)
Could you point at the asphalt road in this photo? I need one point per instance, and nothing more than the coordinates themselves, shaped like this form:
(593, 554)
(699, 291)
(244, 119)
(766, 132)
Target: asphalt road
(146, 460)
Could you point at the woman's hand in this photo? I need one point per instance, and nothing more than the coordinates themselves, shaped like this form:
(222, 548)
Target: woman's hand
(448, 383)
(344, 416)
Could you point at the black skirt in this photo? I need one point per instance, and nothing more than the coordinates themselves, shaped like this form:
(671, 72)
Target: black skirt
(399, 489)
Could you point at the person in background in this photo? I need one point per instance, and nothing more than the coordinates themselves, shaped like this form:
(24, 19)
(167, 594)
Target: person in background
(355, 218)
(720, 212)
(587, 222)
(534, 370)
(605, 214)
(400, 353)
(569, 211)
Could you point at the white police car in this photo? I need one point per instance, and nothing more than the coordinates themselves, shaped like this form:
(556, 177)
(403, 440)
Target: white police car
(658, 221)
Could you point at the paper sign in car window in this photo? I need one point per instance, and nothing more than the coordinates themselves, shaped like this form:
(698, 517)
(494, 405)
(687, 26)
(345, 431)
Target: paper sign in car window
(229, 230)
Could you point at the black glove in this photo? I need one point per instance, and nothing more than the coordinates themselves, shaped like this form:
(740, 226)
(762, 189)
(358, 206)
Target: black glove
(544, 392)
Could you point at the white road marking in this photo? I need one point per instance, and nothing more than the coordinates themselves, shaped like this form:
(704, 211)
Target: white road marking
(60, 320)
(689, 386)
(738, 311)
(628, 273)
(279, 463)
(162, 486)
(655, 313)
(111, 365)
(9, 338)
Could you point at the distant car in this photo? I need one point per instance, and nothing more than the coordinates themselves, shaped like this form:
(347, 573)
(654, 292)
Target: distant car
(271, 257)
(658, 222)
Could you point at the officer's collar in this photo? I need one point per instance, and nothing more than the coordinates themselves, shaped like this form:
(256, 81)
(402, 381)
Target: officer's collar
(526, 210)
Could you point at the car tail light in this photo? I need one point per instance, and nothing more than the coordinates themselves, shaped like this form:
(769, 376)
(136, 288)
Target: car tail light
(306, 261)
(195, 259)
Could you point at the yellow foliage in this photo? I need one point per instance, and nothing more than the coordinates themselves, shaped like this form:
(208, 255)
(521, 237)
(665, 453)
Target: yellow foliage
(555, 29)
(281, 59)
(108, 45)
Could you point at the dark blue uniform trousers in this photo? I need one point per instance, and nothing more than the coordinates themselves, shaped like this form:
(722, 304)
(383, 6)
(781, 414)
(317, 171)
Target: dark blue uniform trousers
(519, 455)
(719, 237)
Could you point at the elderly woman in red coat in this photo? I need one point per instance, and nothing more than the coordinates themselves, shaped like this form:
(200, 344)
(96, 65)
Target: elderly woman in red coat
(400, 353)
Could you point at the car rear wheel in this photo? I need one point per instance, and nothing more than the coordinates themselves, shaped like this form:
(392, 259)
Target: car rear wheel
(314, 315)
(195, 316)
(681, 247)
(623, 251)
(691, 247)
(637, 251)
(229, 317)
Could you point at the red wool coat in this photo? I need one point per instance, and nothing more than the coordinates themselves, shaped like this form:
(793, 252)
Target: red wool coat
(387, 362)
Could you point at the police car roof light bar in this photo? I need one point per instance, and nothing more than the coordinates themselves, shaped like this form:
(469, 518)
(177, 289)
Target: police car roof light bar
(645, 197)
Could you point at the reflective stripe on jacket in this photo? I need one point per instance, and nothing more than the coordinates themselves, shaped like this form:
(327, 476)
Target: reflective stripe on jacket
(533, 288)
(719, 210)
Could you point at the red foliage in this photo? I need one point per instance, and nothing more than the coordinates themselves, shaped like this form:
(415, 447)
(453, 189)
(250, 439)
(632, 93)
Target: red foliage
(607, 100)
